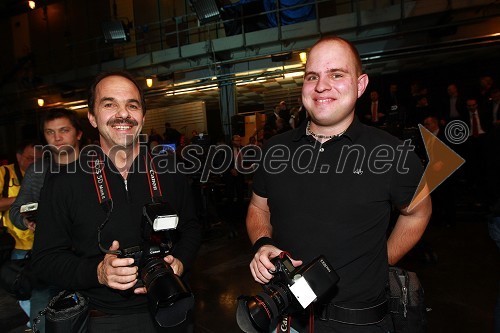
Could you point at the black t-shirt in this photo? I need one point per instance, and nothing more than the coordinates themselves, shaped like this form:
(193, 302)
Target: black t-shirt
(338, 204)
(66, 251)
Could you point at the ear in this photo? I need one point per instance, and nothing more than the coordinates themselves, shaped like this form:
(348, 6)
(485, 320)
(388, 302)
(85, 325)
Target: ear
(362, 84)
(79, 135)
(92, 119)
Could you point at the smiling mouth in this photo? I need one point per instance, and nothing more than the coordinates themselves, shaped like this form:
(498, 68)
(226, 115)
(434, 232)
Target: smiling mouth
(122, 127)
(324, 100)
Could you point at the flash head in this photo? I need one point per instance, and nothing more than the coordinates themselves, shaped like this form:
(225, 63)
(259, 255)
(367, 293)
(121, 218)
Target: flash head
(161, 216)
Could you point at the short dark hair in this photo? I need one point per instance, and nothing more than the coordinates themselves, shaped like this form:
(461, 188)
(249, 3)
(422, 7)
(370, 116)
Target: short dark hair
(100, 77)
(57, 113)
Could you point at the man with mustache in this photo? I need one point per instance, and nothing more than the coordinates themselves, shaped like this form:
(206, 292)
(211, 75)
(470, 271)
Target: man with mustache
(340, 206)
(62, 132)
(112, 185)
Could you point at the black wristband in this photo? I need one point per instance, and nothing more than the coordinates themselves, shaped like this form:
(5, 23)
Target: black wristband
(261, 242)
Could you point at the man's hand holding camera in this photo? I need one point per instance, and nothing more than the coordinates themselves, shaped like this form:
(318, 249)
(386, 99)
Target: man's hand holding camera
(261, 265)
(175, 264)
(28, 212)
(30, 224)
(291, 289)
(117, 273)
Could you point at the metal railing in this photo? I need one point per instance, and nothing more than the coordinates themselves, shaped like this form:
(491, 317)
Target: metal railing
(175, 32)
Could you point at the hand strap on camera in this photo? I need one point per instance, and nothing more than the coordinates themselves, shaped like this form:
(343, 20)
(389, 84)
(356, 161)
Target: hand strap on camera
(104, 193)
(285, 324)
(286, 320)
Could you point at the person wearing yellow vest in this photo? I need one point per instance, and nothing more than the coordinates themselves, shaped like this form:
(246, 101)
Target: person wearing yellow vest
(10, 182)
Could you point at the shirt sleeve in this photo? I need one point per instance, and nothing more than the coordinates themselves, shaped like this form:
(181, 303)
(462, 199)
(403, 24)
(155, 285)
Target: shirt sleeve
(405, 179)
(258, 180)
(54, 259)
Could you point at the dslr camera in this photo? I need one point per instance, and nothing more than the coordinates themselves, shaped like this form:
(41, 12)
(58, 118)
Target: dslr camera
(169, 298)
(290, 290)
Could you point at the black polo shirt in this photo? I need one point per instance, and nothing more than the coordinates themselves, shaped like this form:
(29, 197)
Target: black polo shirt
(335, 199)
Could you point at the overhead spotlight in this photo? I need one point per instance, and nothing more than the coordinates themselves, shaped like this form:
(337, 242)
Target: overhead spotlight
(206, 10)
(303, 57)
(32, 4)
(149, 82)
(115, 32)
(41, 102)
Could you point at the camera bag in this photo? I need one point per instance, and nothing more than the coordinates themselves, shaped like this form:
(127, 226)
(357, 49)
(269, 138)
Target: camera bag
(67, 312)
(406, 301)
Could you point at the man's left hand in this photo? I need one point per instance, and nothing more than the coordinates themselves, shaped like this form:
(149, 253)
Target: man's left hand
(176, 266)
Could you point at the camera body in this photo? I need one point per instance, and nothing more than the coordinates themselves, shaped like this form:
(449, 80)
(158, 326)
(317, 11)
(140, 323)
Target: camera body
(29, 211)
(169, 297)
(290, 290)
(158, 224)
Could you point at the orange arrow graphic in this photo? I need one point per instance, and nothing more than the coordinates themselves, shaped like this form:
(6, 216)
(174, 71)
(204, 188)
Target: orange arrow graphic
(443, 162)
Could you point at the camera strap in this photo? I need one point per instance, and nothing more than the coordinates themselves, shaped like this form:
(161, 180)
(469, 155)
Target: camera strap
(154, 181)
(102, 185)
(6, 181)
(104, 193)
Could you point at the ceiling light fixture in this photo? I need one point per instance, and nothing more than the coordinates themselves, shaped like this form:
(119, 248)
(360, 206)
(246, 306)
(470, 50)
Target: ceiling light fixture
(41, 102)
(149, 82)
(192, 89)
(78, 107)
(32, 4)
(303, 57)
(293, 75)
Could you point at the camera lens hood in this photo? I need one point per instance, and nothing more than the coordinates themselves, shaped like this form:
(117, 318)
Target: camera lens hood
(175, 313)
(243, 317)
(169, 300)
(256, 314)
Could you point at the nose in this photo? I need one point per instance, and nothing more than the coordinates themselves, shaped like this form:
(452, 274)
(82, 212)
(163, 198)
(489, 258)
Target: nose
(122, 112)
(322, 85)
(57, 136)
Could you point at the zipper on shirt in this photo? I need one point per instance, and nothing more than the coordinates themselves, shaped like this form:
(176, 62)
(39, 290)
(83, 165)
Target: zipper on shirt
(126, 189)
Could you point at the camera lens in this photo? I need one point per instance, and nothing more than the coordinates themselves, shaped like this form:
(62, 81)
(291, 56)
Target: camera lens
(257, 313)
(169, 298)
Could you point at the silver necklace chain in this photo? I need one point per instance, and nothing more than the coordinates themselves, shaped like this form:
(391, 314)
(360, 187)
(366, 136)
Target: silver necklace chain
(321, 136)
